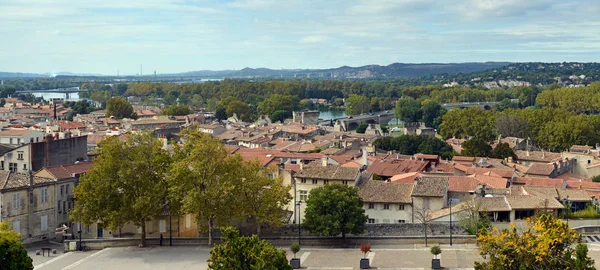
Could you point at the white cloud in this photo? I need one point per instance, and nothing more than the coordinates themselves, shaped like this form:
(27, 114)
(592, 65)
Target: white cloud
(502, 8)
(314, 39)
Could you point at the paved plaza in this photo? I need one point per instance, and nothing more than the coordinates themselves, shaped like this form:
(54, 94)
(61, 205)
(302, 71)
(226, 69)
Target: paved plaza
(191, 258)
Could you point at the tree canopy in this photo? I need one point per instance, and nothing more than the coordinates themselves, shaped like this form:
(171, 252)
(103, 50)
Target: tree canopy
(242, 252)
(357, 104)
(476, 148)
(13, 255)
(119, 108)
(547, 243)
(408, 110)
(130, 176)
(334, 209)
(413, 144)
(177, 110)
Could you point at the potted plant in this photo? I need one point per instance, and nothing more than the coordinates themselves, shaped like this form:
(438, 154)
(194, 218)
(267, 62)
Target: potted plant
(435, 262)
(364, 262)
(295, 262)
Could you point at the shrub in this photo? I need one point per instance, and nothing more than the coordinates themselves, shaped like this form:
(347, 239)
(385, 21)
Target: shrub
(436, 250)
(589, 212)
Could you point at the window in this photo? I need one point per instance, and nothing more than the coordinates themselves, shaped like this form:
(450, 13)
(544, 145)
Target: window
(303, 181)
(386, 206)
(371, 205)
(65, 207)
(16, 225)
(18, 141)
(44, 195)
(589, 161)
(62, 189)
(271, 176)
(371, 220)
(67, 189)
(345, 182)
(11, 140)
(24, 167)
(68, 205)
(16, 200)
(88, 229)
(44, 222)
(315, 181)
(59, 206)
(401, 221)
(162, 225)
(31, 140)
(12, 167)
(37, 139)
(303, 195)
(325, 182)
(401, 207)
(20, 155)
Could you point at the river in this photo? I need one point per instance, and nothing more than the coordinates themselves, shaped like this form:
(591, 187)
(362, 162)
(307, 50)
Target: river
(328, 115)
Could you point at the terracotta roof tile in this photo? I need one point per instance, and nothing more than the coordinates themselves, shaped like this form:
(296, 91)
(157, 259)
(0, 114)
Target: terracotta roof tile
(388, 168)
(315, 170)
(540, 169)
(385, 192)
(430, 186)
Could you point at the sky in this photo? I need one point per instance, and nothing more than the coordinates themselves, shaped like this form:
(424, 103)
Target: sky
(169, 36)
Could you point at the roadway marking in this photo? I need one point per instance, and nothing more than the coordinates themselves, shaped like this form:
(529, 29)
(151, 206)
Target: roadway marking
(304, 257)
(371, 257)
(52, 260)
(86, 258)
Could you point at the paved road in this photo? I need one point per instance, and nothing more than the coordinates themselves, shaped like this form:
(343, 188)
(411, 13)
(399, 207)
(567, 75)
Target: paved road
(190, 258)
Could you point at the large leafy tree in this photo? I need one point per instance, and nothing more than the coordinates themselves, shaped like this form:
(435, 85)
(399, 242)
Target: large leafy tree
(473, 121)
(206, 179)
(335, 209)
(409, 110)
(119, 108)
(278, 102)
(502, 151)
(126, 183)
(357, 104)
(432, 113)
(241, 109)
(547, 243)
(177, 110)
(262, 197)
(476, 148)
(241, 252)
(13, 255)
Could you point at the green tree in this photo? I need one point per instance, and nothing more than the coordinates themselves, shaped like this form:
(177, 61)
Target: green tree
(278, 102)
(333, 209)
(2, 102)
(503, 151)
(476, 148)
(261, 198)
(472, 121)
(356, 104)
(279, 115)
(125, 184)
(547, 243)
(205, 179)
(13, 255)
(241, 252)
(221, 113)
(177, 110)
(241, 109)
(119, 108)
(506, 104)
(408, 110)
(362, 128)
(596, 178)
(432, 113)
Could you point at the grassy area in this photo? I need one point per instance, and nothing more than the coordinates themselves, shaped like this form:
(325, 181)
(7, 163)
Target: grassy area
(589, 212)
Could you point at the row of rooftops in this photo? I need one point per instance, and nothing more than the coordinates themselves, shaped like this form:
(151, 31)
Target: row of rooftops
(13, 180)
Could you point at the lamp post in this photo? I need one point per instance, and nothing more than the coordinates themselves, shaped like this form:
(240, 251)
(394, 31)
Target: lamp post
(450, 204)
(299, 203)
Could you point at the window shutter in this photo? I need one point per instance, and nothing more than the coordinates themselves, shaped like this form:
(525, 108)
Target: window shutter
(23, 203)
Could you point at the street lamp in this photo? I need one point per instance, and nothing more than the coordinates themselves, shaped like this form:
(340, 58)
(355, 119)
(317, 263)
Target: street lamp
(299, 203)
(450, 204)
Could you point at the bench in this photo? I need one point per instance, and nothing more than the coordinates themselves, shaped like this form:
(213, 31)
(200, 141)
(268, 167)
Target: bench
(46, 249)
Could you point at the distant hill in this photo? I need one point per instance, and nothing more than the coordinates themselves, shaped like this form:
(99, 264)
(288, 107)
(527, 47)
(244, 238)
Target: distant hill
(395, 70)
(12, 75)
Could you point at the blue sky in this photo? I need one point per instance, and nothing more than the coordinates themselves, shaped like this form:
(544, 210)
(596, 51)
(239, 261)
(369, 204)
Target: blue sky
(89, 36)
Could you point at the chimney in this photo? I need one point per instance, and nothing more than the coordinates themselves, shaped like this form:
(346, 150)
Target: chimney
(324, 161)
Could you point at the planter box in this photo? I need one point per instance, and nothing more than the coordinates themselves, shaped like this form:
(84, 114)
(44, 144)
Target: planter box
(364, 263)
(435, 264)
(295, 263)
